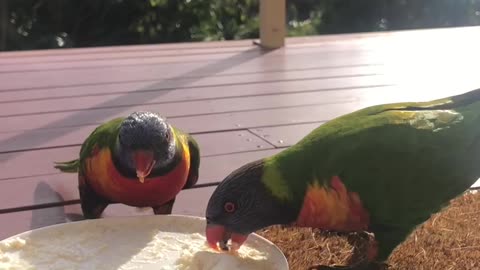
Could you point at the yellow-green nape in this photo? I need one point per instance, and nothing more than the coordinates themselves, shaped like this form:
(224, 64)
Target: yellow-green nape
(274, 181)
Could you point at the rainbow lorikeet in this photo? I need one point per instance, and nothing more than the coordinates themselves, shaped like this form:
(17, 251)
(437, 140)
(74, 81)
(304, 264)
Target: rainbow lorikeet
(139, 160)
(381, 170)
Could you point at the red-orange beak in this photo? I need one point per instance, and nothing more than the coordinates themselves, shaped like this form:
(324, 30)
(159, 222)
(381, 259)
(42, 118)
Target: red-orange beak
(217, 234)
(144, 163)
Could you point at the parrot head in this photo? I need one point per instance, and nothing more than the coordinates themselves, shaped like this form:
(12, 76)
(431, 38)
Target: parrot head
(242, 204)
(145, 142)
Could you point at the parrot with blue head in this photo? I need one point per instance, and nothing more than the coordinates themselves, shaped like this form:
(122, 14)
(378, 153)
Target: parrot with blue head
(383, 170)
(139, 160)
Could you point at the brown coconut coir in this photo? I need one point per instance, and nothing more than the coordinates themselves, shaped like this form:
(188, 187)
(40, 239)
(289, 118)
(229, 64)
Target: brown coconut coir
(449, 240)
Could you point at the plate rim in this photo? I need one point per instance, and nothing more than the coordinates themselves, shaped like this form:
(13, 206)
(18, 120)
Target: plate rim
(254, 236)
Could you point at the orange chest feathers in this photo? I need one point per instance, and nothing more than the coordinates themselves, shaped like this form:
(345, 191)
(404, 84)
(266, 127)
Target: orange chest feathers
(332, 208)
(105, 180)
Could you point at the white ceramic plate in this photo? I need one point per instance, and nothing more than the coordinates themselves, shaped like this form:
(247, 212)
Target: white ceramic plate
(120, 243)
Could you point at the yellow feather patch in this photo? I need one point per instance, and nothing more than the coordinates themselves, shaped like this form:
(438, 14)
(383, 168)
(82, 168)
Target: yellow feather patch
(98, 168)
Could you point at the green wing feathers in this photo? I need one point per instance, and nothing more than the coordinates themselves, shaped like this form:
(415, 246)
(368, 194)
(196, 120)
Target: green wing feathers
(460, 113)
(68, 166)
(104, 135)
(398, 150)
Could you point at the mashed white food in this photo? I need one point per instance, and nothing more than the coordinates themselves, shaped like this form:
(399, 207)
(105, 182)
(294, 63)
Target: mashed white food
(197, 256)
(124, 248)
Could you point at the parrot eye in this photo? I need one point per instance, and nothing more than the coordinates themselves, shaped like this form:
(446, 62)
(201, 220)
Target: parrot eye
(229, 207)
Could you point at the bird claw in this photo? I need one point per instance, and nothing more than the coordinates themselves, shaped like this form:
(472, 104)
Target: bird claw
(324, 267)
(359, 266)
(223, 245)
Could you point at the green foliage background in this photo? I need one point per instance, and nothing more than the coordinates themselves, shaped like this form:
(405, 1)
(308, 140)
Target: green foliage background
(42, 24)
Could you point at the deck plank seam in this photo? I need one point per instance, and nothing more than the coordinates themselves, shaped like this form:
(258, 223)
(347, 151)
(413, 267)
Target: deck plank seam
(263, 139)
(15, 178)
(320, 90)
(196, 100)
(112, 49)
(253, 49)
(94, 66)
(154, 81)
(76, 201)
(192, 133)
(319, 68)
(56, 147)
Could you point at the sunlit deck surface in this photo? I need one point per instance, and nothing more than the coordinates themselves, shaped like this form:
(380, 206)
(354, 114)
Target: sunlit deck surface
(240, 102)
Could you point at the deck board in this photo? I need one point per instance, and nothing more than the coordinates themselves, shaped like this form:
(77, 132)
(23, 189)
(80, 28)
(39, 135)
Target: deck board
(56, 129)
(192, 83)
(42, 138)
(246, 62)
(48, 120)
(240, 102)
(189, 202)
(133, 93)
(142, 59)
(36, 190)
(177, 107)
(16, 164)
(237, 64)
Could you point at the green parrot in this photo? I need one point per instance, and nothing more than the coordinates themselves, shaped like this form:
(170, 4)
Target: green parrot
(381, 170)
(139, 160)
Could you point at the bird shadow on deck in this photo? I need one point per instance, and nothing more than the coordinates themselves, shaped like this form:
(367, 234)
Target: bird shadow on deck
(31, 137)
(49, 216)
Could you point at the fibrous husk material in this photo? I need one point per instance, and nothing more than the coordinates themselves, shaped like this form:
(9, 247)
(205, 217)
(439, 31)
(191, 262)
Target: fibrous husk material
(449, 240)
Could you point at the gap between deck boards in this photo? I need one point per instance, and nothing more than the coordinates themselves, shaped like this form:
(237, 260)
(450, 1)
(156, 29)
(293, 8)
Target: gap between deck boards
(71, 202)
(191, 133)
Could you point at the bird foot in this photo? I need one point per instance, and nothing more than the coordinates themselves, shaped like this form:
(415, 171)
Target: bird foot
(93, 212)
(162, 210)
(165, 209)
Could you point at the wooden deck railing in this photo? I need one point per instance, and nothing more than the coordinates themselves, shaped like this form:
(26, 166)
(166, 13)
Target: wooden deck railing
(272, 23)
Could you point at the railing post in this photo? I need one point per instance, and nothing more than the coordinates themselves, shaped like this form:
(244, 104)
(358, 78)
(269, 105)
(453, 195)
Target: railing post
(272, 23)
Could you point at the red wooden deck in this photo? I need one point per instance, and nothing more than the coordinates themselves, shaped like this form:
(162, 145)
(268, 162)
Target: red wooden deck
(240, 103)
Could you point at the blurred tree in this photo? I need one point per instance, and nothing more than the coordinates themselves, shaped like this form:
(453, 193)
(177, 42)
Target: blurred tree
(345, 16)
(3, 24)
(41, 24)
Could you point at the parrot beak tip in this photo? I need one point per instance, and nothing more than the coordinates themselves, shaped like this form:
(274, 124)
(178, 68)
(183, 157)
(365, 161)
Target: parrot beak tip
(214, 234)
(217, 236)
(144, 162)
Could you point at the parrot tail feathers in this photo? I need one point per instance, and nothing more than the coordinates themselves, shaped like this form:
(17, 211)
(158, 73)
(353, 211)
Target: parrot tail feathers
(71, 166)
